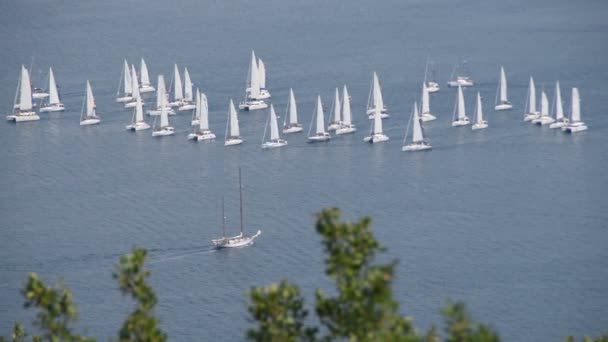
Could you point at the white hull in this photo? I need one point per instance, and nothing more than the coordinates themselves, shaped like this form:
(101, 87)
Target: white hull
(371, 111)
(376, 138)
(201, 135)
(334, 126)
(461, 122)
(319, 138)
(133, 104)
(146, 88)
(382, 116)
(194, 123)
(530, 117)
(460, 82)
(292, 129)
(253, 105)
(124, 99)
(346, 130)
(38, 96)
(233, 141)
(163, 132)
(575, 127)
(264, 94)
(503, 106)
(480, 125)
(235, 241)
(544, 120)
(30, 116)
(432, 87)
(274, 144)
(427, 117)
(89, 122)
(559, 124)
(416, 147)
(156, 112)
(53, 108)
(185, 107)
(138, 126)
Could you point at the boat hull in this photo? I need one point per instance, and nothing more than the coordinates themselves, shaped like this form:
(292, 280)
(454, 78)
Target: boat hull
(87, 122)
(253, 105)
(416, 147)
(30, 116)
(479, 125)
(235, 241)
(292, 129)
(334, 126)
(163, 132)
(461, 122)
(319, 138)
(38, 96)
(544, 120)
(133, 104)
(124, 99)
(200, 136)
(53, 108)
(146, 88)
(346, 130)
(503, 106)
(185, 107)
(376, 138)
(530, 117)
(558, 124)
(427, 117)
(157, 111)
(274, 144)
(138, 126)
(575, 127)
(432, 87)
(232, 142)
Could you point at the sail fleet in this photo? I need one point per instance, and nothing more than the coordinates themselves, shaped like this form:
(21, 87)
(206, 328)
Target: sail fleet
(184, 97)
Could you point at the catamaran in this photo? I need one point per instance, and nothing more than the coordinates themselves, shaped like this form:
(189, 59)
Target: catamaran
(202, 114)
(240, 240)
(233, 123)
(187, 102)
(530, 113)
(460, 76)
(502, 103)
(460, 117)
(89, 116)
(253, 94)
(426, 115)
(23, 110)
(376, 133)
(560, 119)
(431, 85)
(336, 122)
(544, 118)
(178, 91)
(146, 86)
(264, 93)
(320, 133)
(275, 139)
(164, 128)
(54, 104)
(135, 87)
(137, 122)
(160, 93)
(293, 126)
(575, 125)
(347, 125)
(480, 123)
(375, 99)
(418, 143)
(125, 79)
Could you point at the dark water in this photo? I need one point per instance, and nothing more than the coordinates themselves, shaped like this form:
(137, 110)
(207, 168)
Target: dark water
(511, 219)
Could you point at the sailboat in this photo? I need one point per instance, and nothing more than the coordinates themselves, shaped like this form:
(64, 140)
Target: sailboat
(187, 102)
(502, 103)
(89, 116)
(480, 123)
(178, 92)
(426, 115)
(293, 126)
(202, 113)
(240, 240)
(460, 76)
(37, 93)
(164, 128)
(264, 93)
(137, 121)
(347, 125)
(530, 112)
(376, 133)
(460, 116)
(161, 93)
(575, 125)
(125, 79)
(560, 119)
(233, 123)
(544, 118)
(320, 133)
(23, 111)
(418, 143)
(253, 96)
(146, 86)
(336, 122)
(431, 84)
(54, 104)
(196, 113)
(375, 99)
(275, 139)
(135, 87)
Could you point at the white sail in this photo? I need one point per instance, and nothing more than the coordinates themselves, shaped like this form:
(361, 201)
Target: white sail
(461, 110)
(293, 111)
(25, 91)
(274, 127)
(320, 116)
(90, 101)
(196, 115)
(128, 83)
(262, 73)
(377, 121)
(145, 77)
(234, 121)
(575, 115)
(416, 127)
(559, 109)
(160, 91)
(53, 93)
(139, 110)
(346, 115)
(426, 108)
(503, 86)
(204, 114)
(254, 78)
(178, 93)
(134, 81)
(164, 115)
(337, 107)
(187, 86)
(375, 98)
(478, 110)
(531, 97)
(544, 104)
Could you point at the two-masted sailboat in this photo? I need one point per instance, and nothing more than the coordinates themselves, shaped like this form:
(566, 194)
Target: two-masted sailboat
(254, 94)
(375, 99)
(347, 125)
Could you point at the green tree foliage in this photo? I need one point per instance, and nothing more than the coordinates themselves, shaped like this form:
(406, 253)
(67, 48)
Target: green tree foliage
(603, 338)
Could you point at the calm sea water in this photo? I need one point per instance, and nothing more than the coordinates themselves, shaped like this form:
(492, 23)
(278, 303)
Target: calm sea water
(511, 219)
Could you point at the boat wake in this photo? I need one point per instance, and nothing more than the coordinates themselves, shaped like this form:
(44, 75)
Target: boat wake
(201, 250)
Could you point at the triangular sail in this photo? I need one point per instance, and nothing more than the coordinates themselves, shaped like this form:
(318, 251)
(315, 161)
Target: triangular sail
(320, 117)
(178, 93)
(234, 121)
(416, 127)
(134, 81)
(274, 128)
(478, 110)
(337, 107)
(188, 95)
(145, 77)
(575, 115)
(377, 120)
(346, 115)
(461, 114)
(559, 109)
(164, 116)
(128, 83)
(90, 101)
(375, 98)
(25, 91)
(204, 115)
(503, 85)
(254, 78)
(531, 97)
(53, 94)
(262, 73)
(544, 104)
(293, 111)
(196, 115)
(139, 110)
(160, 91)
(426, 108)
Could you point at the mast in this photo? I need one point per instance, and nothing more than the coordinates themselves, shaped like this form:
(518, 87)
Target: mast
(478, 110)
(204, 116)
(377, 119)
(544, 104)
(241, 199)
(188, 95)
(417, 129)
(532, 97)
(262, 73)
(223, 219)
(25, 100)
(254, 86)
(134, 82)
(274, 128)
